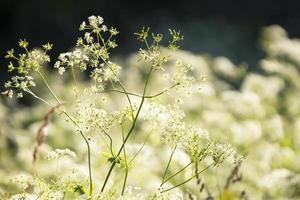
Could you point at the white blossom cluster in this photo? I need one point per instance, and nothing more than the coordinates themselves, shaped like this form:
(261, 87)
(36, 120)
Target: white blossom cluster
(25, 64)
(175, 131)
(39, 189)
(57, 153)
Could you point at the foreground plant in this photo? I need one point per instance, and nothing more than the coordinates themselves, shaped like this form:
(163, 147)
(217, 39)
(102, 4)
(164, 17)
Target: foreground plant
(94, 120)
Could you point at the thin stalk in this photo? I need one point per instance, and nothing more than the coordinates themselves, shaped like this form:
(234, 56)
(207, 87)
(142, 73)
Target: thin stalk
(108, 175)
(74, 75)
(140, 149)
(118, 81)
(89, 153)
(168, 165)
(89, 162)
(84, 137)
(130, 131)
(123, 88)
(146, 97)
(169, 178)
(122, 92)
(126, 165)
(137, 114)
(81, 133)
(110, 143)
(37, 97)
(162, 92)
(47, 85)
(184, 182)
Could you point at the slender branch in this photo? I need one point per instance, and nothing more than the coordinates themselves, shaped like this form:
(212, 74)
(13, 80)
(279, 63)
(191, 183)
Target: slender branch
(176, 173)
(89, 163)
(137, 114)
(160, 93)
(146, 97)
(168, 165)
(184, 182)
(126, 164)
(110, 143)
(81, 133)
(37, 97)
(123, 88)
(89, 152)
(120, 91)
(74, 75)
(140, 149)
(130, 131)
(47, 85)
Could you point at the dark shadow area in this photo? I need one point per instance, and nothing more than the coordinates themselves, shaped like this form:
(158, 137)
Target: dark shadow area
(220, 28)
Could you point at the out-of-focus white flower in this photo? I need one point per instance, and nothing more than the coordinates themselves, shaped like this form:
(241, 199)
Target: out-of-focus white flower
(246, 132)
(275, 179)
(226, 68)
(266, 87)
(54, 155)
(61, 70)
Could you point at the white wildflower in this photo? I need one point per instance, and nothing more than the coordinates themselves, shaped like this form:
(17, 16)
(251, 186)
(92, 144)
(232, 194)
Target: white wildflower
(61, 70)
(10, 93)
(54, 155)
(104, 28)
(82, 26)
(57, 64)
(20, 95)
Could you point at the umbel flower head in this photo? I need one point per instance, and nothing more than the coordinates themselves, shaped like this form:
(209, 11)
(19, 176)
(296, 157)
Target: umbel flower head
(24, 64)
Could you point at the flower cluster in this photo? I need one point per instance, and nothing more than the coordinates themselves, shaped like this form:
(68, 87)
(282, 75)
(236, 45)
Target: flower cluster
(92, 50)
(153, 53)
(181, 77)
(24, 64)
(19, 83)
(175, 131)
(57, 153)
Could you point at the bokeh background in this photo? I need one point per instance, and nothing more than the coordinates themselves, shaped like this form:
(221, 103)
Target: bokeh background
(250, 97)
(221, 28)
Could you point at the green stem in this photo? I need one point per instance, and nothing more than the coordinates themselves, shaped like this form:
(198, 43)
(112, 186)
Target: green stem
(89, 153)
(89, 163)
(126, 165)
(118, 81)
(74, 75)
(137, 114)
(37, 97)
(184, 182)
(47, 85)
(146, 97)
(140, 149)
(168, 165)
(130, 131)
(162, 92)
(123, 88)
(176, 173)
(110, 143)
(81, 133)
